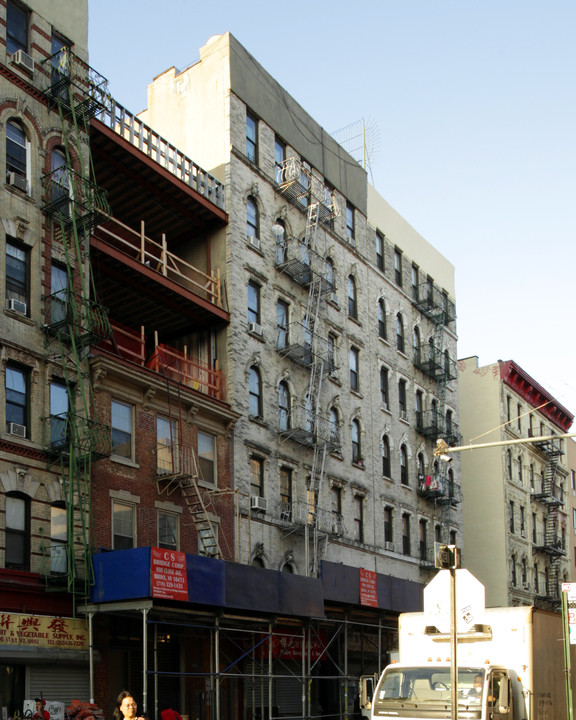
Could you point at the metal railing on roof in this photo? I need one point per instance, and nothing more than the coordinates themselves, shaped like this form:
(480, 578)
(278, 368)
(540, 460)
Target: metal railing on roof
(148, 141)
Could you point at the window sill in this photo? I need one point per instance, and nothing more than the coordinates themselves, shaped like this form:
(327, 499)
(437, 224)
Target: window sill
(360, 465)
(357, 393)
(256, 335)
(19, 316)
(405, 486)
(258, 421)
(124, 461)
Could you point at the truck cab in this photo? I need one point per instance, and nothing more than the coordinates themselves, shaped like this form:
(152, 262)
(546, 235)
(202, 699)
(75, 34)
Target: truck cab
(423, 692)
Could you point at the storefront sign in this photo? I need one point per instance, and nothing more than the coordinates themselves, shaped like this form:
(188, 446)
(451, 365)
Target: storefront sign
(169, 580)
(368, 592)
(289, 647)
(43, 631)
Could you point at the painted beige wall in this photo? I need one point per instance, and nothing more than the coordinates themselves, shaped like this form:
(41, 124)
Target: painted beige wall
(69, 17)
(483, 485)
(190, 108)
(383, 217)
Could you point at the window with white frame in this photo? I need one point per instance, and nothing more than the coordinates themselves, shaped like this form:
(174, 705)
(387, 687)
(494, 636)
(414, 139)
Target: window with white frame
(122, 423)
(17, 381)
(168, 530)
(17, 155)
(207, 457)
(167, 446)
(253, 303)
(17, 532)
(58, 539)
(17, 277)
(255, 393)
(123, 525)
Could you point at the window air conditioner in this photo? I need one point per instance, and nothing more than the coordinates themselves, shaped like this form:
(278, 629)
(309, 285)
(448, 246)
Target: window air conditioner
(253, 241)
(389, 546)
(23, 61)
(18, 430)
(17, 306)
(17, 181)
(255, 328)
(403, 415)
(258, 503)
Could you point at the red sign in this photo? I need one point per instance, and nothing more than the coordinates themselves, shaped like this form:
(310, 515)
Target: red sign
(169, 580)
(289, 647)
(368, 593)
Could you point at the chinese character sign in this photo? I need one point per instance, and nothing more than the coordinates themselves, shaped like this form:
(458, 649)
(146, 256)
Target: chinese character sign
(42, 631)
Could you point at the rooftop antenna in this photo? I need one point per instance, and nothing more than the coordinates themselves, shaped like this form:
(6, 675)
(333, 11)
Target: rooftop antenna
(360, 139)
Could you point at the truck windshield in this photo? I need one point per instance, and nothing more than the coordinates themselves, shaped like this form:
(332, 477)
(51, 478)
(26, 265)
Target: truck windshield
(421, 688)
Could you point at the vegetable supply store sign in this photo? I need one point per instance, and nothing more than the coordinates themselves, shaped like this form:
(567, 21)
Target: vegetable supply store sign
(43, 631)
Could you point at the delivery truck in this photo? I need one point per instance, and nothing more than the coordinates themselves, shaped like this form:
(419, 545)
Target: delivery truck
(510, 667)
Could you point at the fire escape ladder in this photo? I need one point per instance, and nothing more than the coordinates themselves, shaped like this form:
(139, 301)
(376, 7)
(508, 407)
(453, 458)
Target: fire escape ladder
(199, 511)
(180, 468)
(297, 182)
(75, 205)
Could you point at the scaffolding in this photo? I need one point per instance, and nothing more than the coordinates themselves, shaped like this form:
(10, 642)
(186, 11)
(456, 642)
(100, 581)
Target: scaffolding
(258, 669)
(74, 320)
(302, 261)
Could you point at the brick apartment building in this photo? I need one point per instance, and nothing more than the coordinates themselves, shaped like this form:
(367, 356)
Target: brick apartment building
(226, 363)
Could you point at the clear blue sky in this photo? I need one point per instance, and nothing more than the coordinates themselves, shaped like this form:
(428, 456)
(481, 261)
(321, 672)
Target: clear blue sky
(475, 110)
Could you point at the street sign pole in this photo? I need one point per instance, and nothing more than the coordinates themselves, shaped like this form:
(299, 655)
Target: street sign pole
(568, 610)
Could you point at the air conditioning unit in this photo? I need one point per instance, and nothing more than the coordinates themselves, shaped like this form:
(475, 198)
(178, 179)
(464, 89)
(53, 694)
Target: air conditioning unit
(17, 181)
(337, 527)
(17, 306)
(18, 430)
(333, 298)
(255, 328)
(258, 503)
(253, 241)
(527, 587)
(403, 415)
(23, 61)
(389, 546)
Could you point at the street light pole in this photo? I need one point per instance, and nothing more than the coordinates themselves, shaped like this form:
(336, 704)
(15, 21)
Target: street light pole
(448, 557)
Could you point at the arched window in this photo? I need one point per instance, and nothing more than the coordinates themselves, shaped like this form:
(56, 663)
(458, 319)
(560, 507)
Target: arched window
(284, 406)
(60, 180)
(255, 393)
(17, 152)
(352, 298)
(382, 332)
(400, 332)
(420, 466)
(281, 241)
(385, 456)
(330, 277)
(17, 532)
(447, 372)
(356, 443)
(334, 420)
(252, 219)
(404, 465)
(416, 342)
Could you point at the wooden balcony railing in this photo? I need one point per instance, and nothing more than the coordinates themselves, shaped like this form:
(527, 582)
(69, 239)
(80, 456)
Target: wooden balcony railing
(156, 256)
(177, 365)
(140, 135)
